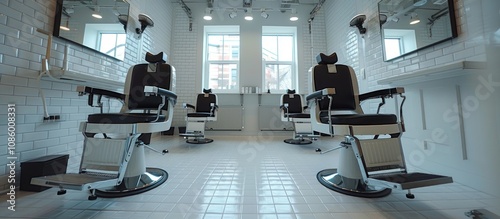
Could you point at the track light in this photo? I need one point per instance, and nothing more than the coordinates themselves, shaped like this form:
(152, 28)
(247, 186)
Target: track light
(357, 21)
(96, 13)
(66, 28)
(233, 14)
(414, 19)
(264, 14)
(248, 15)
(293, 15)
(208, 14)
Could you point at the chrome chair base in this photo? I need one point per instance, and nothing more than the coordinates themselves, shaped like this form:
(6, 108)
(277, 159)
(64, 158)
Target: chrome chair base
(199, 140)
(354, 187)
(152, 178)
(297, 141)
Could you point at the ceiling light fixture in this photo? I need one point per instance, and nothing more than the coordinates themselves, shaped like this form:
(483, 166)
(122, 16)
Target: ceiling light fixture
(96, 13)
(264, 14)
(293, 15)
(248, 15)
(208, 14)
(66, 28)
(233, 14)
(414, 19)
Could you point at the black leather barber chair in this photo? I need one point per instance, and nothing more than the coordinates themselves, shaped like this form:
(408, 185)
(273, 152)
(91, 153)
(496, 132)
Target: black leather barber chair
(293, 110)
(204, 111)
(372, 161)
(113, 161)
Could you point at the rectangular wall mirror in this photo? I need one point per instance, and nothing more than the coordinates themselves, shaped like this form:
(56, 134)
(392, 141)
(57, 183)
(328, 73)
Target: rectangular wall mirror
(410, 25)
(97, 24)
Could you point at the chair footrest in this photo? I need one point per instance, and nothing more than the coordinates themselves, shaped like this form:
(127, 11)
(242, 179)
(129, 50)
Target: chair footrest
(75, 181)
(308, 135)
(191, 135)
(411, 180)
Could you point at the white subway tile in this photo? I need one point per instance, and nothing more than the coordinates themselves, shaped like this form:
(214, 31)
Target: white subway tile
(33, 136)
(46, 143)
(58, 133)
(25, 91)
(32, 154)
(6, 89)
(13, 80)
(57, 149)
(67, 139)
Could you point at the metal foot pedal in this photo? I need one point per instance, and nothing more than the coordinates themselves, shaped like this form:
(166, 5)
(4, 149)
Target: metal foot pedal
(192, 134)
(481, 214)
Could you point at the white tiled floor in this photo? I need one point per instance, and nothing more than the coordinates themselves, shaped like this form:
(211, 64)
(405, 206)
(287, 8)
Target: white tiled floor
(249, 178)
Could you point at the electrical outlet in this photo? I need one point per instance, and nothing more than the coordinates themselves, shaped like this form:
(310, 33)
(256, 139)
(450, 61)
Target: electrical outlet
(52, 118)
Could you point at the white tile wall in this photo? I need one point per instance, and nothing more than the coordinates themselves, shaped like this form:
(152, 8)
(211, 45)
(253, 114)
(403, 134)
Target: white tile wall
(22, 49)
(476, 20)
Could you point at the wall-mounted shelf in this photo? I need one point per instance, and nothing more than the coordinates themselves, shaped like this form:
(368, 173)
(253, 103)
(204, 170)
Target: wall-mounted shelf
(445, 71)
(67, 76)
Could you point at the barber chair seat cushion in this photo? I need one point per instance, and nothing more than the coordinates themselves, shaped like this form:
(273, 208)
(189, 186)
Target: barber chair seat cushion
(361, 119)
(200, 115)
(298, 115)
(124, 118)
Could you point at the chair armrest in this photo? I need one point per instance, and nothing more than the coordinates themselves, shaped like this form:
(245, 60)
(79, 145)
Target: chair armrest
(171, 96)
(214, 106)
(381, 93)
(320, 94)
(82, 90)
(187, 105)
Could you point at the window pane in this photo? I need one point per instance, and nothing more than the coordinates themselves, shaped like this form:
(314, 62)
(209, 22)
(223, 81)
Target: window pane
(269, 48)
(215, 43)
(108, 42)
(285, 46)
(223, 76)
(113, 44)
(278, 77)
(392, 47)
(231, 47)
(223, 47)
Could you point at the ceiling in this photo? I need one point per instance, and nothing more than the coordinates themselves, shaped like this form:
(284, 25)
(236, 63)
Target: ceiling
(275, 5)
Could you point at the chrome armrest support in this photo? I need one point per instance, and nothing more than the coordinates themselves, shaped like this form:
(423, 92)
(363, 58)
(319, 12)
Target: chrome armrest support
(165, 94)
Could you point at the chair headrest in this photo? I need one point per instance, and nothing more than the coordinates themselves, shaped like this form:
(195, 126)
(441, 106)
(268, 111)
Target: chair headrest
(158, 58)
(327, 59)
(207, 91)
(288, 91)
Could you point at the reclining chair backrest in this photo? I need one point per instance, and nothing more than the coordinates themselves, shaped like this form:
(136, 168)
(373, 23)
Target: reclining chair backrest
(327, 74)
(294, 102)
(204, 101)
(155, 73)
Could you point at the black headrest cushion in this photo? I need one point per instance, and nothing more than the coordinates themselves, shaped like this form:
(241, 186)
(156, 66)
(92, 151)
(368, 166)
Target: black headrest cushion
(207, 91)
(158, 58)
(325, 59)
(288, 91)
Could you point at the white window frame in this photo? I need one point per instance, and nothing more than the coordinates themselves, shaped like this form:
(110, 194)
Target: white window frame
(115, 48)
(222, 30)
(281, 31)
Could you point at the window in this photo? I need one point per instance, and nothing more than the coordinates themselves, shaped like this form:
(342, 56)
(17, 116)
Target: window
(278, 58)
(221, 60)
(113, 44)
(392, 47)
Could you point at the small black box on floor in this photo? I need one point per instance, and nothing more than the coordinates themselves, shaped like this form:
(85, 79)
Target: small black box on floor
(169, 132)
(182, 129)
(42, 166)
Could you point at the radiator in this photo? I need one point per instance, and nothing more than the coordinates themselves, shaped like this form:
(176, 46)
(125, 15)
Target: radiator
(229, 118)
(270, 119)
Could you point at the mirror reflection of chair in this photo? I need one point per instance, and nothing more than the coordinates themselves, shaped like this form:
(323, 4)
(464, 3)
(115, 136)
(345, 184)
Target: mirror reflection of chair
(292, 110)
(371, 159)
(113, 159)
(204, 111)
